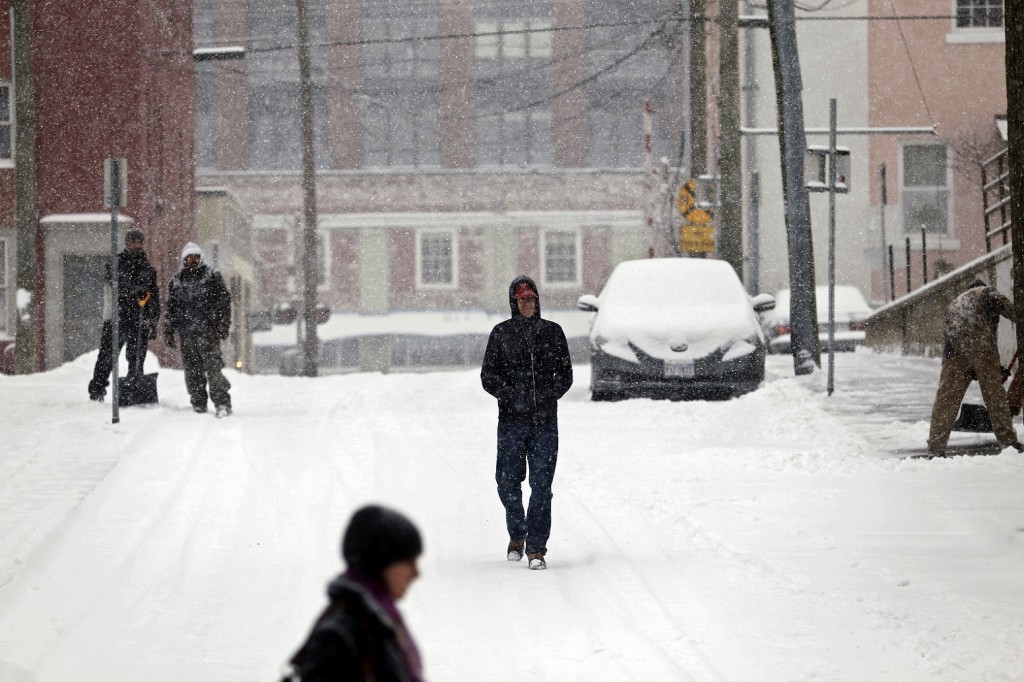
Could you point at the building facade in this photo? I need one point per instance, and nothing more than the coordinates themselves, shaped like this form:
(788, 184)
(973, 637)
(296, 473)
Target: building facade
(458, 144)
(112, 79)
(946, 71)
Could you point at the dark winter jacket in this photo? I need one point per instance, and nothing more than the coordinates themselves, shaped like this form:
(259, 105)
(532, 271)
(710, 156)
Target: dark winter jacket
(135, 279)
(526, 365)
(359, 637)
(198, 303)
(972, 321)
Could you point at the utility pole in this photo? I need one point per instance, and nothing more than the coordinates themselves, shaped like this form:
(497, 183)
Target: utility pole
(698, 90)
(24, 188)
(310, 343)
(792, 145)
(754, 185)
(1014, 18)
(730, 233)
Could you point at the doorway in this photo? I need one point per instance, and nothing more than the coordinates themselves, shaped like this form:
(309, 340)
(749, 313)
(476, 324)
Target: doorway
(83, 304)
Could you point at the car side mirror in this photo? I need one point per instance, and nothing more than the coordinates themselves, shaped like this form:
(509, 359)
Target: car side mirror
(588, 302)
(763, 303)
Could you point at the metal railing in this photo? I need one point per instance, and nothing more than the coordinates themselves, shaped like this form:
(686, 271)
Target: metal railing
(995, 198)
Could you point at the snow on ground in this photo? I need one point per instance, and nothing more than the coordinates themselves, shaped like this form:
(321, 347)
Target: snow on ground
(763, 538)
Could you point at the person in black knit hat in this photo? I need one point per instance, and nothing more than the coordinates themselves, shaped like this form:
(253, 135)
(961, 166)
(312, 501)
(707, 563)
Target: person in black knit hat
(361, 634)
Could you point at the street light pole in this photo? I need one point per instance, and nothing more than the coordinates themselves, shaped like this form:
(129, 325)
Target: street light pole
(1014, 18)
(25, 356)
(310, 343)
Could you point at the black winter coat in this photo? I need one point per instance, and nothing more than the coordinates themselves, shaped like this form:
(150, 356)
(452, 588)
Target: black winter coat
(526, 365)
(198, 303)
(135, 278)
(353, 641)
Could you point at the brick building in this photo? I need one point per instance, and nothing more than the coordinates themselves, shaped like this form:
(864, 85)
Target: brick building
(458, 144)
(111, 79)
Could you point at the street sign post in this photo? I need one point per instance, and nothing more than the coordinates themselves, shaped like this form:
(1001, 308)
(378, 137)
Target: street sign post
(115, 195)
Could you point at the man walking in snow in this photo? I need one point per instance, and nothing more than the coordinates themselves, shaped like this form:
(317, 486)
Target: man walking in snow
(527, 368)
(137, 309)
(970, 352)
(199, 310)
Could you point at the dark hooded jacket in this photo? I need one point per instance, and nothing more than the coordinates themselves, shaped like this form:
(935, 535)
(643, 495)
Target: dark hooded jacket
(198, 303)
(526, 365)
(136, 279)
(360, 636)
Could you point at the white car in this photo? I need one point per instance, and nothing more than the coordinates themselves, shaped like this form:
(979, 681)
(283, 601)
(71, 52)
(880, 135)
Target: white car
(851, 315)
(675, 327)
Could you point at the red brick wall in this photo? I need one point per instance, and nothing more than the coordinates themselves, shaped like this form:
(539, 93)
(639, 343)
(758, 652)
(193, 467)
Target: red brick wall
(344, 264)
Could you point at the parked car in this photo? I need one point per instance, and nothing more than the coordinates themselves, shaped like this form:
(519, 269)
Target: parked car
(851, 315)
(675, 327)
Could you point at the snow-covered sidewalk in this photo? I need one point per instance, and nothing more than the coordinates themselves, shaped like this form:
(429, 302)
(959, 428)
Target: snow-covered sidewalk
(764, 538)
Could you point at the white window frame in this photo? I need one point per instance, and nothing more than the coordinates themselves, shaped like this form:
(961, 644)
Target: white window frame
(507, 39)
(915, 232)
(5, 278)
(577, 279)
(6, 86)
(453, 235)
(975, 34)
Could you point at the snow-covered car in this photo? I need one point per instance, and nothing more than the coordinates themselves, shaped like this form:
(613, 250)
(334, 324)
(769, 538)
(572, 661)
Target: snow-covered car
(851, 315)
(675, 327)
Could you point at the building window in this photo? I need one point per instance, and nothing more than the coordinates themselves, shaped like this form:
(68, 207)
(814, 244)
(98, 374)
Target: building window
(925, 189)
(3, 285)
(401, 91)
(6, 129)
(516, 138)
(514, 39)
(979, 13)
(560, 251)
(436, 259)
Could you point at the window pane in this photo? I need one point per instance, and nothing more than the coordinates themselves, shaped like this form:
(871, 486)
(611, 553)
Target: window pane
(540, 43)
(925, 208)
(486, 45)
(436, 258)
(513, 40)
(5, 104)
(5, 141)
(924, 166)
(560, 256)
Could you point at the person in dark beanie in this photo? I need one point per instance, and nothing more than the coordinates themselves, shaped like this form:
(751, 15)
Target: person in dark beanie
(361, 634)
(138, 312)
(527, 368)
(971, 353)
(199, 311)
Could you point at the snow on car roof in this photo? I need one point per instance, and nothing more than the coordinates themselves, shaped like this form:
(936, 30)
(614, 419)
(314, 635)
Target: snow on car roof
(682, 280)
(848, 299)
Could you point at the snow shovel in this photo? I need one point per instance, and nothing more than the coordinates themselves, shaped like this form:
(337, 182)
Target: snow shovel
(138, 388)
(974, 418)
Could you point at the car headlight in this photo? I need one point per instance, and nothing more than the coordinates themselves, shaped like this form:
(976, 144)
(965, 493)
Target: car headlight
(739, 348)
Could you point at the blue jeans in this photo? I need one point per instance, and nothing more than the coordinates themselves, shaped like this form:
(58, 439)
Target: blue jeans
(521, 446)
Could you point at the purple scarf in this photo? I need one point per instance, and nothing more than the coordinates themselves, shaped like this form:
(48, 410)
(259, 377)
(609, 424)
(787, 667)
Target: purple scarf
(380, 595)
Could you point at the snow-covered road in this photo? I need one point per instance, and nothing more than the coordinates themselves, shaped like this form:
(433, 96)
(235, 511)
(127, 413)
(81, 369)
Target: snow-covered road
(764, 538)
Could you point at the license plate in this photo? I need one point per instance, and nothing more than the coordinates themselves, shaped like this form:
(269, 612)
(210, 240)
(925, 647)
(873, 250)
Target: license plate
(679, 368)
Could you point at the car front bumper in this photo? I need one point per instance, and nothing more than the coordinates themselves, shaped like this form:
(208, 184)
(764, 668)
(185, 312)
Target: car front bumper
(613, 375)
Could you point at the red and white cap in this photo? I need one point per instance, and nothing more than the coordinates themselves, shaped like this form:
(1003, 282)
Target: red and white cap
(524, 290)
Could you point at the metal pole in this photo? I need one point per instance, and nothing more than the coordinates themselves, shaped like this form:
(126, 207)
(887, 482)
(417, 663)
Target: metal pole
(892, 276)
(650, 175)
(908, 265)
(754, 189)
(883, 202)
(831, 244)
(115, 314)
(924, 258)
(310, 345)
